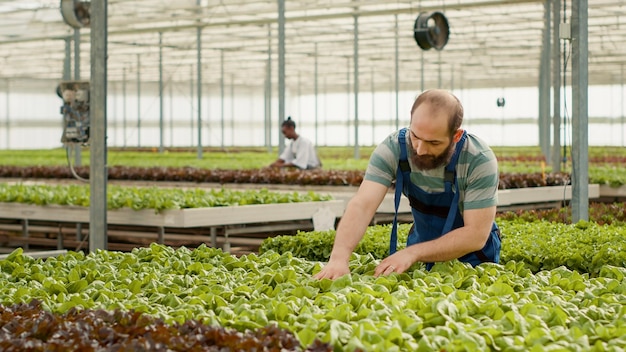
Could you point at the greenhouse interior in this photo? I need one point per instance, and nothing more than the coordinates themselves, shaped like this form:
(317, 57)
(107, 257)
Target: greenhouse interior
(155, 193)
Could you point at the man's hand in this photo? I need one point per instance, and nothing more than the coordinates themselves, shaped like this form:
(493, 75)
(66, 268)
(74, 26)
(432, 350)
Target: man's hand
(359, 211)
(333, 270)
(395, 263)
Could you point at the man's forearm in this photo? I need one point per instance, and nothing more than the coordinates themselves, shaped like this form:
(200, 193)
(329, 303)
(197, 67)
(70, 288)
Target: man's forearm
(349, 232)
(452, 245)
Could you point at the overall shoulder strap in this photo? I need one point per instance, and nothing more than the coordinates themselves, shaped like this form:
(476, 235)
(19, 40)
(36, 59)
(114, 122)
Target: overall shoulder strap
(449, 176)
(402, 175)
(450, 179)
(404, 163)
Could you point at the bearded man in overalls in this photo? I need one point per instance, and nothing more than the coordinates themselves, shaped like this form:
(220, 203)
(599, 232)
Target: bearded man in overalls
(451, 180)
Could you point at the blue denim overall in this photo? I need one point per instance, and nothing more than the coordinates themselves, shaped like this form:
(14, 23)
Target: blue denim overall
(435, 214)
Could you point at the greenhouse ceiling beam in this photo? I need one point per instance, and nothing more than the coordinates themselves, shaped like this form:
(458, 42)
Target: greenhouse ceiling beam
(307, 12)
(195, 21)
(314, 17)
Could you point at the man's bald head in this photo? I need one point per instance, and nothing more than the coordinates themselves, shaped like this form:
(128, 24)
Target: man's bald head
(441, 99)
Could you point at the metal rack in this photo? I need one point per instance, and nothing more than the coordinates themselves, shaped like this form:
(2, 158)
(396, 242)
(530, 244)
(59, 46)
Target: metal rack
(226, 227)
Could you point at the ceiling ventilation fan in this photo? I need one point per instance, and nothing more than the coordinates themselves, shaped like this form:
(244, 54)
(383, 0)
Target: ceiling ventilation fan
(431, 30)
(76, 13)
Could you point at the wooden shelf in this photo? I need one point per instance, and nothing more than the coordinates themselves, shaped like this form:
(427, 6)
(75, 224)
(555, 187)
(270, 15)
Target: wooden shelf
(244, 225)
(180, 218)
(607, 191)
(248, 214)
(236, 224)
(506, 198)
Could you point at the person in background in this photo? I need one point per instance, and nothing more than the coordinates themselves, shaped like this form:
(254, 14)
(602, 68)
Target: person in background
(451, 180)
(299, 153)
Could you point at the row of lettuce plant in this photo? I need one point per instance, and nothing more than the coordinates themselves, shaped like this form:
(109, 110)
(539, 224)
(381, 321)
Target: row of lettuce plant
(156, 198)
(541, 245)
(520, 176)
(27, 327)
(453, 307)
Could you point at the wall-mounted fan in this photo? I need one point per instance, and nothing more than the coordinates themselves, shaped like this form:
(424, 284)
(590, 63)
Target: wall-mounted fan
(76, 12)
(431, 30)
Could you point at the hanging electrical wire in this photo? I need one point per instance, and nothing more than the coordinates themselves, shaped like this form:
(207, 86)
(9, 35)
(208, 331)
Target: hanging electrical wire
(68, 155)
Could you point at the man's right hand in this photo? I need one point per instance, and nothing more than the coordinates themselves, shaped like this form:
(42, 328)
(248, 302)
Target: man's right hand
(359, 211)
(333, 270)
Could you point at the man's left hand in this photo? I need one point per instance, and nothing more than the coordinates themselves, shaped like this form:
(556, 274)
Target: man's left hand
(395, 263)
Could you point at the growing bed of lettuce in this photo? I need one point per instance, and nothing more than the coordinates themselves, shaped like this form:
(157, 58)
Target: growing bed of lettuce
(157, 198)
(249, 165)
(559, 288)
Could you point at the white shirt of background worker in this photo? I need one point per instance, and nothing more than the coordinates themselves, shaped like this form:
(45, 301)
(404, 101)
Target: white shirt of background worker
(300, 153)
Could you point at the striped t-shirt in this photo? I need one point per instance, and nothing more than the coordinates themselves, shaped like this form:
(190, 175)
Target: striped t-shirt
(477, 171)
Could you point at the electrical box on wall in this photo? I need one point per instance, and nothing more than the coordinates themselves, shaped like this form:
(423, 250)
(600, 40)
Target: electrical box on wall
(565, 31)
(75, 111)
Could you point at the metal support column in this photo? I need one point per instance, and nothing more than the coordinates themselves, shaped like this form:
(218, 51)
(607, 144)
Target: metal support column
(422, 83)
(397, 72)
(281, 71)
(161, 235)
(78, 158)
(199, 89)
(76, 54)
(452, 70)
(222, 96)
(232, 109)
(213, 233)
(138, 101)
(67, 61)
(161, 146)
(439, 73)
(373, 109)
(191, 117)
(316, 96)
(171, 93)
(544, 85)
(67, 75)
(356, 87)
(556, 86)
(325, 94)
(124, 113)
(580, 112)
(268, 92)
(622, 98)
(25, 234)
(348, 89)
(60, 237)
(8, 114)
(98, 107)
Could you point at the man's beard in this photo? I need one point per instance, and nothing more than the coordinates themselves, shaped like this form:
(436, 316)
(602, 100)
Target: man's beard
(430, 162)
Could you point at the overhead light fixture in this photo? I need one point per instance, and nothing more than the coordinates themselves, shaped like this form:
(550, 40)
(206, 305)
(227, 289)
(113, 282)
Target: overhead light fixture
(431, 30)
(76, 13)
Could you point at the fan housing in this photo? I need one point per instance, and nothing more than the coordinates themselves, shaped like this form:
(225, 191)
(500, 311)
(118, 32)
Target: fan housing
(431, 30)
(76, 13)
